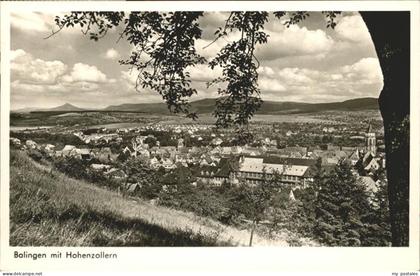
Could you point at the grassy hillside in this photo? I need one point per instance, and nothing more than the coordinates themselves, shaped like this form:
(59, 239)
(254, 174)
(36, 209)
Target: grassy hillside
(49, 209)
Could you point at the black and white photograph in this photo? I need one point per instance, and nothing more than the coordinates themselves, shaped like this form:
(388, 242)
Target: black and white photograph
(205, 129)
(180, 128)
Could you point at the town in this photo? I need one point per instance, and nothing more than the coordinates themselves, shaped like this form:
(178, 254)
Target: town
(289, 149)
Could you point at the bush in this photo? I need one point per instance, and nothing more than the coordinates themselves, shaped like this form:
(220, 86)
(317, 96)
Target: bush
(72, 167)
(35, 155)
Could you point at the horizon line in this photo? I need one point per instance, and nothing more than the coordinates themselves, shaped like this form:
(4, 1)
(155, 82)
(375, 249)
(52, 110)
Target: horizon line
(162, 102)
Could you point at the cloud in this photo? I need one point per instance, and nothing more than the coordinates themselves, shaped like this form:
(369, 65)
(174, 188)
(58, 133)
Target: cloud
(295, 41)
(85, 73)
(31, 21)
(60, 87)
(270, 85)
(203, 73)
(336, 76)
(266, 70)
(29, 70)
(210, 22)
(15, 54)
(30, 75)
(359, 79)
(17, 84)
(112, 54)
(213, 19)
(208, 49)
(353, 28)
(129, 77)
(199, 73)
(297, 76)
(366, 70)
(298, 63)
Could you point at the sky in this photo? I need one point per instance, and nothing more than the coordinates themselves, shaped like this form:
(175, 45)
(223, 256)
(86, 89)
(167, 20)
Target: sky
(305, 63)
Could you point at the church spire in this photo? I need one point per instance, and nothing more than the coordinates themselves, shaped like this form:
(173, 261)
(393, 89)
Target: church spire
(370, 140)
(369, 129)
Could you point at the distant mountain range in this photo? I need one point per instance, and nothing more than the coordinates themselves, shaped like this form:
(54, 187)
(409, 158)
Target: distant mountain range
(207, 106)
(62, 108)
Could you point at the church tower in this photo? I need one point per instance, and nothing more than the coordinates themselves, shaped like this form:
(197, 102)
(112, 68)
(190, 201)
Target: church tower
(370, 140)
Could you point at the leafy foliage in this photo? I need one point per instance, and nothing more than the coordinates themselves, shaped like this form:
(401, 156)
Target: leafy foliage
(164, 49)
(331, 17)
(138, 171)
(241, 97)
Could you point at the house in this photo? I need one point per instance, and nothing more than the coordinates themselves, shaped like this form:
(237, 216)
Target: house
(105, 155)
(115, 173)
(252, 151)
(292, 195)
(127, 150)
(69, 150)
(154, 162)
(216, 175)
(273, 143)
(371, 165)
(370, 185)
(49, 147)
(332, 147)
(330, 161)
(252, 171)
(348, 149)
(144, 153)
(180, 143)
(289, 133)
(354, 157)
(295, 155)
(84, 154)
(15, 142)
(340, 154)
(368, 164)
(308, 176)
(217, 150)
(167, 163)
(216, 141)
(100, 167)
(237, 150)
(203, 162)
(31, 144)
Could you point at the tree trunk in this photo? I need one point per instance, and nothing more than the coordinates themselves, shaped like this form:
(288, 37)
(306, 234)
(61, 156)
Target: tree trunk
(254, 225)
(390, 32)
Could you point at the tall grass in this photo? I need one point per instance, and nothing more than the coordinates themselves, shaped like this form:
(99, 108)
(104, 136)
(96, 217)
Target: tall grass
(49, 209)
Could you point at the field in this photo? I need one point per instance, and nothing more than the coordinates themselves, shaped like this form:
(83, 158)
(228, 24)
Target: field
(49, 209)
(133, 119)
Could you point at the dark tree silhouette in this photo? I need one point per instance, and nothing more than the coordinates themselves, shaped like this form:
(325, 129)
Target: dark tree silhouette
(164, 53)
(390, 32)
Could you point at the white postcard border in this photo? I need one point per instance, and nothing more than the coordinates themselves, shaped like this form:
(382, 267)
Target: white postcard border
(217, 259)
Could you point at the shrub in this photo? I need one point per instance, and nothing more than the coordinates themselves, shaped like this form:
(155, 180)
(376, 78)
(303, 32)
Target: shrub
(35, 155)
